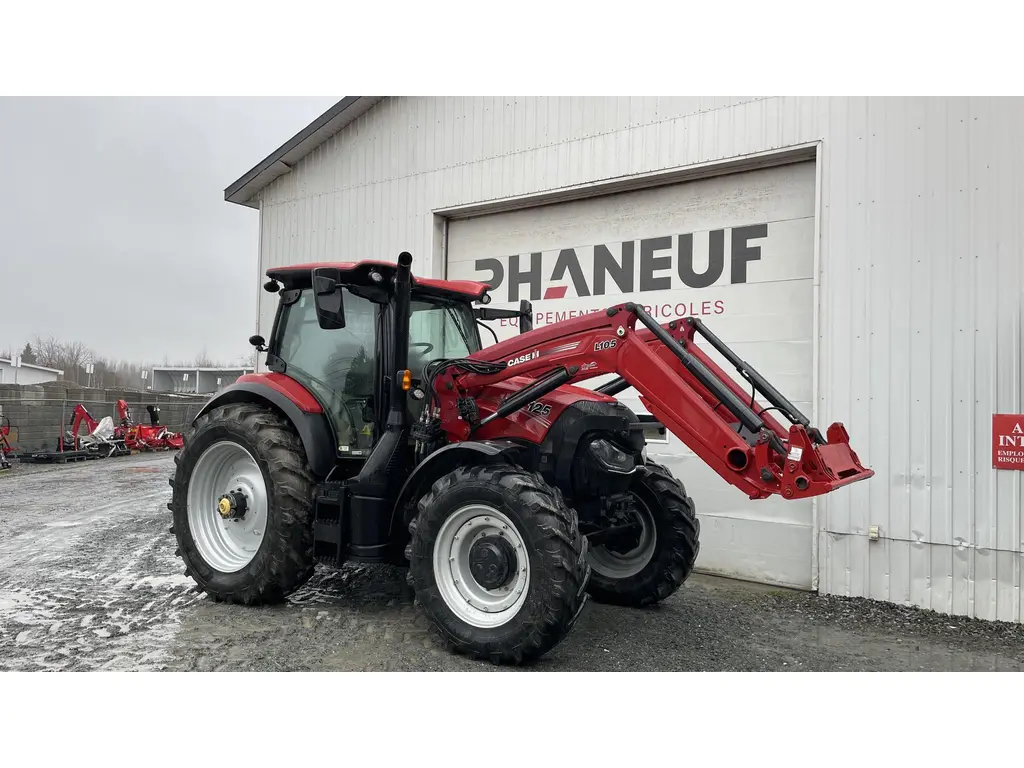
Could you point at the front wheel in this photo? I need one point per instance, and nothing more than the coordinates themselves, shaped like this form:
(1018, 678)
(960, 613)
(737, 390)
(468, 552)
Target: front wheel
(497, 563)
(652, 563)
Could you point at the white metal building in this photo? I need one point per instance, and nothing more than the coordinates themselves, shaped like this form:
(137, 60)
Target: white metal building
(866, 254)
(26, 373)
(201, 381)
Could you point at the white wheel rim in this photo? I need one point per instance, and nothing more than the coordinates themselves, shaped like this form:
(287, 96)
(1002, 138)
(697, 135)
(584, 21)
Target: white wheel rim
(464, 596)
(613, 565)
(227, 545)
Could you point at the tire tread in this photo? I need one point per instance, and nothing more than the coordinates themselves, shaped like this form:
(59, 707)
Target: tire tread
(286, 561)
(674, 564)
(560, 567)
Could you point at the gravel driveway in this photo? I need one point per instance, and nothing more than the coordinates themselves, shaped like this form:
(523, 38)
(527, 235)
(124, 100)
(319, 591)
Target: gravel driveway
(88, 580)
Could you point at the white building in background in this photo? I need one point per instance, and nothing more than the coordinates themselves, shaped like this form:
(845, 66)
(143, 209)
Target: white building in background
(26, 373)
(194, 381)
(865, 254)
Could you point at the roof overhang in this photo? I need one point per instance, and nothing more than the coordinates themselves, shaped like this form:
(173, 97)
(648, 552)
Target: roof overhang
(283, 159)
(31, 365)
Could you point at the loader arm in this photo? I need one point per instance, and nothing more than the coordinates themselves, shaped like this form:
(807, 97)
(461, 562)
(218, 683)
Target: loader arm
(677, 382)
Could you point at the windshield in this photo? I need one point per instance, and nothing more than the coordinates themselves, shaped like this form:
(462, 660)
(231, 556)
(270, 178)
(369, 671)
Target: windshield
(440, 329)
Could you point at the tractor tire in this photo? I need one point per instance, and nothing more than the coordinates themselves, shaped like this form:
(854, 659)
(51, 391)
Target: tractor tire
(253, 456)
(668, 548)
(527, 551)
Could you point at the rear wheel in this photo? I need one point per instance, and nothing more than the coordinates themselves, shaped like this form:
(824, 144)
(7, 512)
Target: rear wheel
(242, 505)
(652, 562)
(498, 563)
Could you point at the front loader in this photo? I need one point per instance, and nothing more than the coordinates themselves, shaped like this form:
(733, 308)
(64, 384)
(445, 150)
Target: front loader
(383, 432)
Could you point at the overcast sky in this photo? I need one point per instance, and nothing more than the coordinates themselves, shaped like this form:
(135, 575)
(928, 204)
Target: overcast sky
(113, 226)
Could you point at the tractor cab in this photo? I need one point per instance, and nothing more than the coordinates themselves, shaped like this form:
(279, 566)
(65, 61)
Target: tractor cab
(334, 334)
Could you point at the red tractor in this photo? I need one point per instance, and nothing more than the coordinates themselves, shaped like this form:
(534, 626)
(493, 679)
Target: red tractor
(384, 433)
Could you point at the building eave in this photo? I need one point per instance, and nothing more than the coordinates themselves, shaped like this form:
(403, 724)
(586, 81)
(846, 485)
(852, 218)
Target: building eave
(279, 162)
(32, 366)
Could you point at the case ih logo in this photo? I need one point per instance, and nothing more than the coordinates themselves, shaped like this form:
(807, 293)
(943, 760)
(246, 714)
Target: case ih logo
(524, 358)
(644, 265)
(538, 353)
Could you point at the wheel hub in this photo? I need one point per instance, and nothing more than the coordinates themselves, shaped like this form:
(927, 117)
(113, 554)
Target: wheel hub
(631, 543)
(626, 537)
(492, 561)
(228, 506)
(625, 529)
(481, 566)
(233, 504)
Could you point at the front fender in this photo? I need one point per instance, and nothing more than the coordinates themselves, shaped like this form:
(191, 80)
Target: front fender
(443, 461)
(313, 427)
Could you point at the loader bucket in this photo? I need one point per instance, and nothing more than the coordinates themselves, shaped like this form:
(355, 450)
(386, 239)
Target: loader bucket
(751, 448)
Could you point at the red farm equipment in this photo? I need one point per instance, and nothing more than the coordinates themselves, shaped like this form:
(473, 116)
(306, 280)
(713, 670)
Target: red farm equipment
(103, 439)
(6, 452)
(146, 437)
(383, 432)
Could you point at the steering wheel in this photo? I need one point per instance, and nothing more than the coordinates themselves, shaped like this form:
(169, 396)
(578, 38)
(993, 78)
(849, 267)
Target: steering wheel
(427, 344)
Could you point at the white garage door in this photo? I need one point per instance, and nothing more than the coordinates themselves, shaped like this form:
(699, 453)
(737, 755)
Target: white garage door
(736, 250)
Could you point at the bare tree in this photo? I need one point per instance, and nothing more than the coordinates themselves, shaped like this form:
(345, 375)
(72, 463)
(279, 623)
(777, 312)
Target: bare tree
(248, 360)
(70, 357)
(77, 356)
(49, 351)
(203, 360)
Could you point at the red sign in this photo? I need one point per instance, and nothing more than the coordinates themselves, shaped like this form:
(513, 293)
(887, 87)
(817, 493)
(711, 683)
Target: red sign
(1008, 441)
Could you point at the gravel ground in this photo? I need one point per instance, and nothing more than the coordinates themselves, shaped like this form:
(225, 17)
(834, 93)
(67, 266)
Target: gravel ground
(88, 580)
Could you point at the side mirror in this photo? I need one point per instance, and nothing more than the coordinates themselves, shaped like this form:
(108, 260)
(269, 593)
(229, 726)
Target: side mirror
(328, 299)
(259, 342)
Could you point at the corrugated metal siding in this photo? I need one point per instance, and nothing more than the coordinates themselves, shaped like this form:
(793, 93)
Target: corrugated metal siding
(922, 294)
(921, 288)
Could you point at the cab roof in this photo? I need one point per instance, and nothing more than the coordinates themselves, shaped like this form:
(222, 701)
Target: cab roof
(358, 273)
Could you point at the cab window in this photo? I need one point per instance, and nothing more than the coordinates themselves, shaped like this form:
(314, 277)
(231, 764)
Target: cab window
(337, 366)
(440, 330)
